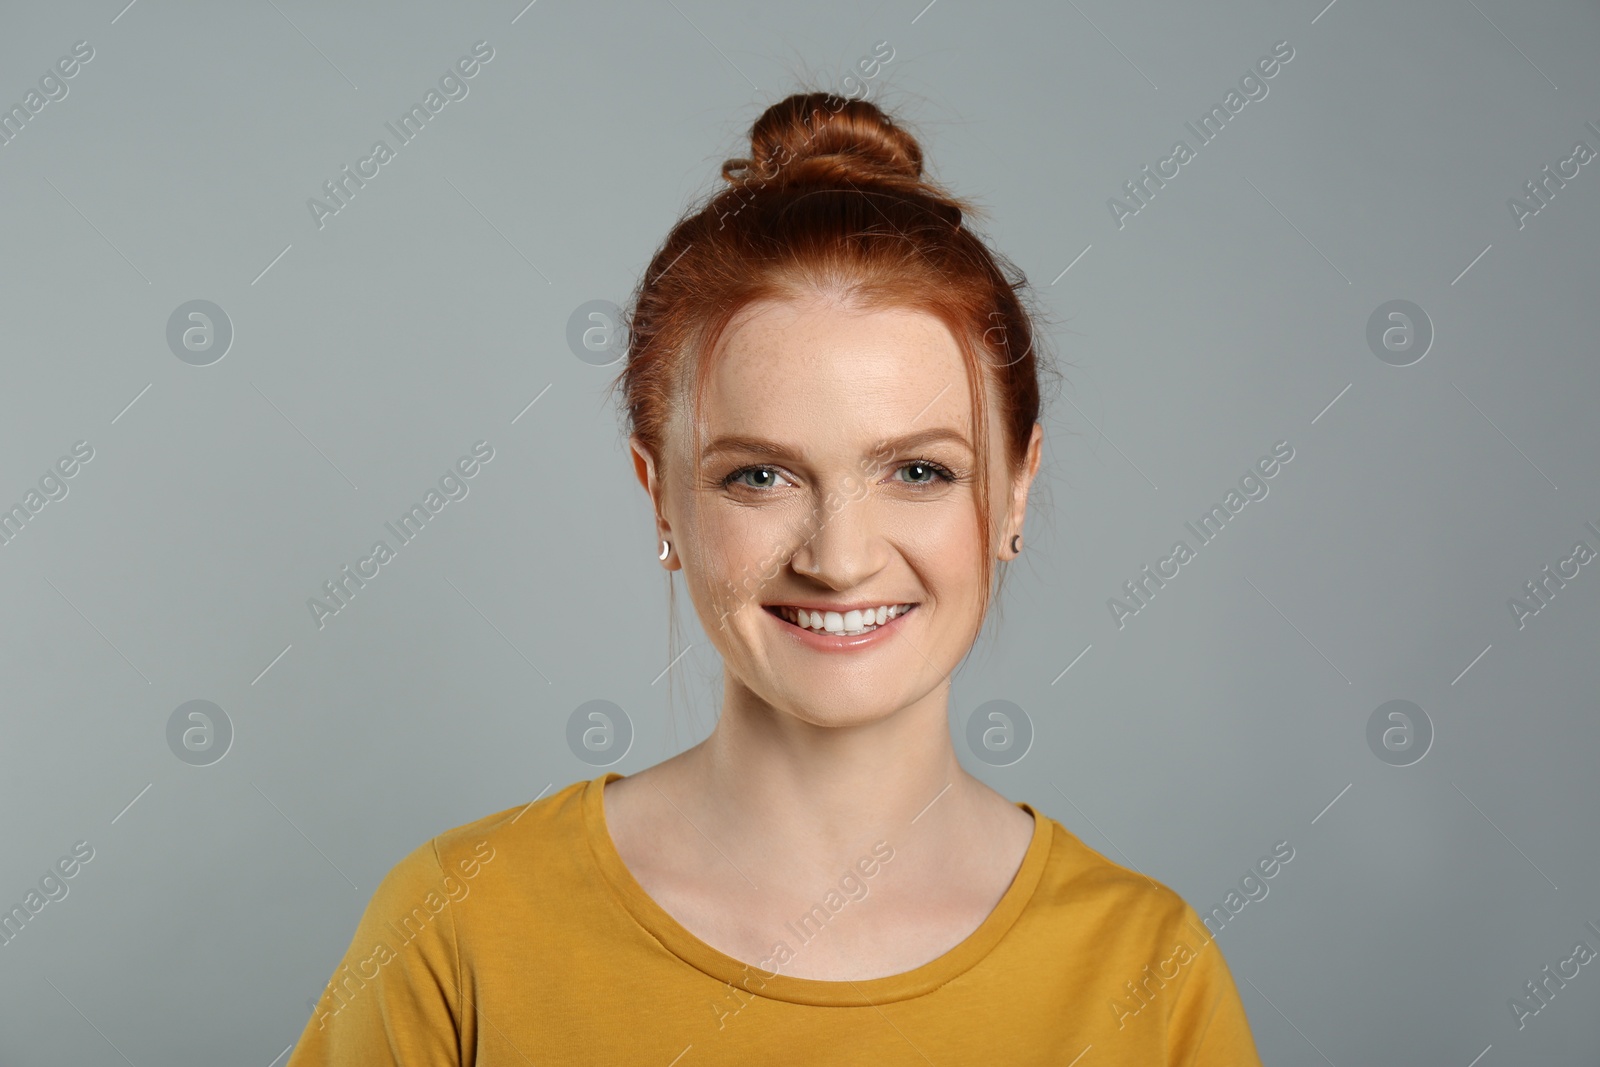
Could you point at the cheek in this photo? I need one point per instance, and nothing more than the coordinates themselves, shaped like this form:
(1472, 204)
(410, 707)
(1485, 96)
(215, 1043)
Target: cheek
(740, 551)
(940, 542)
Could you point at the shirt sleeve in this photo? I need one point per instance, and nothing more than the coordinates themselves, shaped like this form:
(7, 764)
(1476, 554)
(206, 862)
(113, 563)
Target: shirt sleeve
(394, 998)
(1208, 1026)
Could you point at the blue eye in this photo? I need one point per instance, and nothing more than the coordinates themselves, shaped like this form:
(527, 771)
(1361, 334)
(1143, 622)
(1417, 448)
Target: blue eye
(738, 474)
(932, 474)
(934, 469)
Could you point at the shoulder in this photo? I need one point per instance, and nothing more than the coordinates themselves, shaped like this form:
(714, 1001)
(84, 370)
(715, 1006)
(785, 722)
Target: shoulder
(398, 984)
(1151, 952)
(1123, 903)
(452, 863)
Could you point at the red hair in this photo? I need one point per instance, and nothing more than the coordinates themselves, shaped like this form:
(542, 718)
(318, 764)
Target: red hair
(832, 203)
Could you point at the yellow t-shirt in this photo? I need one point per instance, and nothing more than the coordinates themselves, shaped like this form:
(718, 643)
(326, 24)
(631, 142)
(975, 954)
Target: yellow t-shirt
(522, 939)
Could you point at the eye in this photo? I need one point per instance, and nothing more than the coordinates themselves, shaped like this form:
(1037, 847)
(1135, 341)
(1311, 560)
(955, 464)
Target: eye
(925, 474)
(768, 473)
(929, 473)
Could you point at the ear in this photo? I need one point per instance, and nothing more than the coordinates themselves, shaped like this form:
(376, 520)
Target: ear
(649, 475)
(643, 464)
(1023, 482)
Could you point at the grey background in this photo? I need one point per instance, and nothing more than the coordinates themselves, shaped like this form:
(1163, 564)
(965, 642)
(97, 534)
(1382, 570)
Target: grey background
(369, 355)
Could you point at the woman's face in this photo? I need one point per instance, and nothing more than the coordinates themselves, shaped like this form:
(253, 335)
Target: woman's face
(811, 493)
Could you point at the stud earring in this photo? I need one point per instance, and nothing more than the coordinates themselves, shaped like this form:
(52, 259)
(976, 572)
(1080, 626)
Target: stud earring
(1014, 547)
(664, 548)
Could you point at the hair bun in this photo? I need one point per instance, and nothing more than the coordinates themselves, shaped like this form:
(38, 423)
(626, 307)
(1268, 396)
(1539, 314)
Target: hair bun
(825, 138)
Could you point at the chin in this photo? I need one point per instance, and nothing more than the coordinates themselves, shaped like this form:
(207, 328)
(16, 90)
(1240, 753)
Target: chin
(834, 722)
(833, 705)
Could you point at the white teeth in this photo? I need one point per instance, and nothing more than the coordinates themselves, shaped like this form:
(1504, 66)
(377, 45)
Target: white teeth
(848, 623)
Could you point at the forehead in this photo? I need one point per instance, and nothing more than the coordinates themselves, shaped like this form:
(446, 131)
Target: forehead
(814, 364)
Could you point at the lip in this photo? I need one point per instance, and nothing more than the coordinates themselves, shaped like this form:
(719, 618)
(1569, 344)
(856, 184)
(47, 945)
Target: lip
(840, 608)
(829, 643)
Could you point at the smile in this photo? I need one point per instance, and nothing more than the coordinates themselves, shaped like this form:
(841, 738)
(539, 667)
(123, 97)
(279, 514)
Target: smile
(846, 624)
(853, 623)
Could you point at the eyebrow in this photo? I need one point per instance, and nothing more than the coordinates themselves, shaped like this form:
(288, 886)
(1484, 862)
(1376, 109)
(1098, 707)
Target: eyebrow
(760, 446)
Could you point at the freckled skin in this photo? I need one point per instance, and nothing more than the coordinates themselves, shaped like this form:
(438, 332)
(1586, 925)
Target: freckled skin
(834, 383)
(816, 755)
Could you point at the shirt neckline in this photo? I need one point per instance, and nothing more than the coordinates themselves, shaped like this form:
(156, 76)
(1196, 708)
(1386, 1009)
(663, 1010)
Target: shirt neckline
(660, 924)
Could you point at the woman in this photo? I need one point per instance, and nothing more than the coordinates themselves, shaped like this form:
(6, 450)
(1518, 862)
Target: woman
(833, 395)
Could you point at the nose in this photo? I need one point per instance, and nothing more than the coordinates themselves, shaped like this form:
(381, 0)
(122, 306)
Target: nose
(840, 545)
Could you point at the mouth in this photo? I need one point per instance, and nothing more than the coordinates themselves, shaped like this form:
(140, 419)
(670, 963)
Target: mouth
(853, 623)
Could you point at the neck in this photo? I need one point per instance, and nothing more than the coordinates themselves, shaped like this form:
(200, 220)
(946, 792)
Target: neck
(827, 790)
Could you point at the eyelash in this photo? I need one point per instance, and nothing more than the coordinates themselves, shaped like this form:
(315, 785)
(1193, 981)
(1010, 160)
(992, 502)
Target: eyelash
(944, 473)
